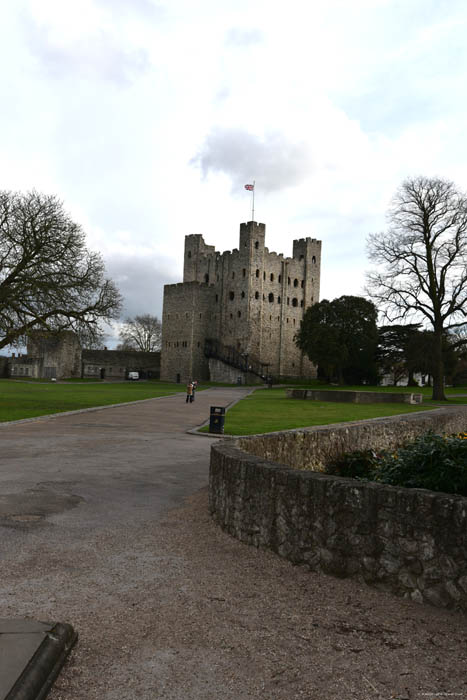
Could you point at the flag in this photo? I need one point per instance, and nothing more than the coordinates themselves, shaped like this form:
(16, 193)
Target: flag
(249, 187)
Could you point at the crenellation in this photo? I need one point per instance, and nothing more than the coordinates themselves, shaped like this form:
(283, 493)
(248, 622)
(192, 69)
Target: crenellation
(249, 298)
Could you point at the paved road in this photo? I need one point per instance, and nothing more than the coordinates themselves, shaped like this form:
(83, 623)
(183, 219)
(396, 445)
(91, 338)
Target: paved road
(97, 468)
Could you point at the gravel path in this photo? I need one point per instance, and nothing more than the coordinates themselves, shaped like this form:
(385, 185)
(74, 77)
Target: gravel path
(169, 606)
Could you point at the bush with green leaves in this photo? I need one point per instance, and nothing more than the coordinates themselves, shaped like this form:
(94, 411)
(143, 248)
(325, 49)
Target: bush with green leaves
(434, 462)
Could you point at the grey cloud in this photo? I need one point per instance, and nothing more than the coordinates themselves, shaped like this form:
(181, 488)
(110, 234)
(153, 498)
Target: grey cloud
(141, 281)
(243, 37)
(93, 57)
(273, 161)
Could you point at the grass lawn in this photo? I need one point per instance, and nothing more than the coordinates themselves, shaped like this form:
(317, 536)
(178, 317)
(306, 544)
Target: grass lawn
(26, 400)
(268, 410)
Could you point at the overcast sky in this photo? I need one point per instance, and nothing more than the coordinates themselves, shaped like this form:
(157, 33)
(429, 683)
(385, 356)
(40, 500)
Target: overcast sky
(147, 118)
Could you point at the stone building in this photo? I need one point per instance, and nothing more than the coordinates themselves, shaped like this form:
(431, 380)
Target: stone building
(60, 356)
(236, 313)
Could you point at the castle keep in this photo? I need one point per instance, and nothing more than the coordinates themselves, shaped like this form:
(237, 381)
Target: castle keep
(236, 313)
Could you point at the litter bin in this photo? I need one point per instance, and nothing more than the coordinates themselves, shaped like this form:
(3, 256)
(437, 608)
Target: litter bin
(217, 419)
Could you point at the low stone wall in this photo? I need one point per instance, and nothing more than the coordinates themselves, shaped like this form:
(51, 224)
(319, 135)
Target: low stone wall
(346, 396)
(411, 542)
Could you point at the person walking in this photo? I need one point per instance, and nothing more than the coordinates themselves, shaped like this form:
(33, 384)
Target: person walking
(194, 384)
(189, 392)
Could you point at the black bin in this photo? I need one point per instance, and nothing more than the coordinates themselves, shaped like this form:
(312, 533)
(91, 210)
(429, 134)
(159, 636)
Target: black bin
(217, 419)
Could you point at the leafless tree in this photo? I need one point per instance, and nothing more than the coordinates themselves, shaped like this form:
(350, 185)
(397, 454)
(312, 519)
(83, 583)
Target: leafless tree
(423, 262)
(49, 280)
(142, 333)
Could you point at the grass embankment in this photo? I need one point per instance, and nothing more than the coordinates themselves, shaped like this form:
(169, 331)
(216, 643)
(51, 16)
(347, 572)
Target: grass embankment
(269, 410)
(27, 400)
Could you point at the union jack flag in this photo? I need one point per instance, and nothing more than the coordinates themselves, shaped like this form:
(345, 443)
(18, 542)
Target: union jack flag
(249, 187)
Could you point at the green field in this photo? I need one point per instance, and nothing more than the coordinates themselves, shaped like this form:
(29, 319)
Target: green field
(268, 410)
(26, 400)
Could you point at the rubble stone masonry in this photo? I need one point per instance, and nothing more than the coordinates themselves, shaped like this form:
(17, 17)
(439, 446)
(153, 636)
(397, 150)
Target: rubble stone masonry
(249, 298)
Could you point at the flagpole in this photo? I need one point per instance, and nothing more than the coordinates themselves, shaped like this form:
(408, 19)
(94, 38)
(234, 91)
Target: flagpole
(253, 205)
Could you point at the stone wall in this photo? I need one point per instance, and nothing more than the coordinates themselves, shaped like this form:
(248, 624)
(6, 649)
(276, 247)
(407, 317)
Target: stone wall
(411, 542)
(346, 396)
(115, 364)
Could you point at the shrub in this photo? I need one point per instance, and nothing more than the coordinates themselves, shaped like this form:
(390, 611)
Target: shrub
(360, 464)
(429, 462)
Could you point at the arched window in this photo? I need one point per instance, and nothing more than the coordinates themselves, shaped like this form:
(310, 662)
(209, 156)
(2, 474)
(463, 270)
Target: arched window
(231, 296)
(288, 280)
(295, 283)
(217, 298)
(264, 275)
(189, 253)
(243, 295)
(271, 298)
(301, 257)
(256, 244)
(244, 272)
(271, 277)
(239, 313)
(294, 302)
(302, 284)
(278, 300)
(313, 260)
(301, 303)
(280, 278)
(257, 273)
(206, 278)
(256, 295)
(233, 275)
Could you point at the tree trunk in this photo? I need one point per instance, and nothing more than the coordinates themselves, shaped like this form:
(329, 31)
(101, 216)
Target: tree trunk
(438, 367)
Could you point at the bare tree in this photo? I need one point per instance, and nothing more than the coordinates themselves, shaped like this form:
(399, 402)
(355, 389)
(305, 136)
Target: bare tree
(48, 278)
(423, 259)
(142, 333)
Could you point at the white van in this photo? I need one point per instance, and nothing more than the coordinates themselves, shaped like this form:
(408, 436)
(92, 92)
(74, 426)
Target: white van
(133, 375)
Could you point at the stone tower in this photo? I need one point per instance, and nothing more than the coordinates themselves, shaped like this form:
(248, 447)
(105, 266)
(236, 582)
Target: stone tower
(246, 303)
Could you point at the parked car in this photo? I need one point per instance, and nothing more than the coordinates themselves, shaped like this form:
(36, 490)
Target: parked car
(133, 375)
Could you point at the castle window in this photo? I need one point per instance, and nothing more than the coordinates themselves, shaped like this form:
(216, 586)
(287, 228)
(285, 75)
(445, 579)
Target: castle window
(256, 295)
(217, 298)
(271, 298)
(206, 278)
(244, 272)
(294, 322)
(199, 344)
(293, 364)
(288, 280)
(278, 300)
(243, 295)
(257, 273)
(295, 283)
(301, 303)
(233, 275)
(313, 260)
(294, 301)
(280, 278)
(256, 244)
(287, 320)
(278, 318)
(189, 253)
(302, 284)
(301, 257)
(239, 313)
(218, 278)
(168, 316)
(231, 296)
(272, 277)
(264, 298)
(288, 301)
(200, 315)
(264, 275)
(270, 318)
(231, 315)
